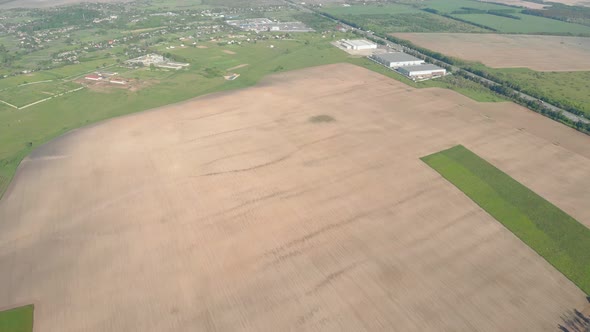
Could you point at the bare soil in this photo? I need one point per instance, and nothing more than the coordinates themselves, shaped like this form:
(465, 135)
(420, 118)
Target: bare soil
(541, 53)
(236, 212)
(228, 52)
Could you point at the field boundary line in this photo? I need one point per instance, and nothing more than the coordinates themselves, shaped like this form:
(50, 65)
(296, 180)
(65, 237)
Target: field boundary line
(9, 104)
(48, 98)
(46, 81)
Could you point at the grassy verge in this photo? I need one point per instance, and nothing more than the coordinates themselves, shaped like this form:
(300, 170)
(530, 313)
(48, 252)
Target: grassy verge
(17, 320)
(557, 237)
(568, 89)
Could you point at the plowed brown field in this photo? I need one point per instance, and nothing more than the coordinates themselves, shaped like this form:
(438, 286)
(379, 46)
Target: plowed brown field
(235, 212)
(541, 53)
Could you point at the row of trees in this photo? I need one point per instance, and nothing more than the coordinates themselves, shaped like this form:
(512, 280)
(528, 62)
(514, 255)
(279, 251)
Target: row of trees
(575, 14)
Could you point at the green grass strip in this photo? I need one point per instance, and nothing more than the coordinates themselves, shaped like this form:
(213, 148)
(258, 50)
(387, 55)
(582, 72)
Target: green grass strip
(17, 320)
(553, 234)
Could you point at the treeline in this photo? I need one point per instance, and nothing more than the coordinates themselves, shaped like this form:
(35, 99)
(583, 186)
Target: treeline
(374, 40)
(435, 55)
(345, 21)
(571, 14)
(434, 11)
(313, 21)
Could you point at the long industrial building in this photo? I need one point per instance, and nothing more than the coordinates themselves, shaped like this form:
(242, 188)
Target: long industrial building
(422, 71)
(358, 44)
(396, 59)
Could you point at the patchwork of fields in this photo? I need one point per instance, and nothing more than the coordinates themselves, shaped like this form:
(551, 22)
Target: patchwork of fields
(326, 198)
(557, 237)
(398, 18)
(457, 16)
(243, 211)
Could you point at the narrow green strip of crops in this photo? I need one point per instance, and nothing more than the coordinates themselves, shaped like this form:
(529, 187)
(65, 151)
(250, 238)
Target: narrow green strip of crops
(17, 320)
(557, 237)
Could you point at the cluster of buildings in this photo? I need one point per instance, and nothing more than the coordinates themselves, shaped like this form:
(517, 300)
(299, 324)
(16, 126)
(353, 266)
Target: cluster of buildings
(409, 65)
(156, 60)
(406, 64)
(265, 24)
(106, 77)
(105, 19)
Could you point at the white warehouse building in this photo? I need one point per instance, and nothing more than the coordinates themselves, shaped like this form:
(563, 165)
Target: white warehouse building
(422, 71)
(357, 44)
(397, 59)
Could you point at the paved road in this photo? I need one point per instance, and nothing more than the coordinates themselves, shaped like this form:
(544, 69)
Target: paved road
(475, 77)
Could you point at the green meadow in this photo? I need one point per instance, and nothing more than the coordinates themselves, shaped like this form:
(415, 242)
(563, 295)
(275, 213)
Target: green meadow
(17, 320)
(567, 89)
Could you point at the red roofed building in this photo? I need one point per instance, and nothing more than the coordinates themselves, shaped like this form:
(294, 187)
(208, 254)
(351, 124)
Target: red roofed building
(92, 77)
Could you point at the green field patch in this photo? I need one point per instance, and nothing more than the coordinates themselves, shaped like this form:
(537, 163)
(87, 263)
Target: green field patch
(71, 71)
(565, 89)
(22, 95)
(17, 320)
(39, 76)
(553, 234)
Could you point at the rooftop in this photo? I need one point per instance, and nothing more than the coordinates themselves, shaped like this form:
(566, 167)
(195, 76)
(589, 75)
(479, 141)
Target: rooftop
(426, 66)
(396, 57)
(358, 42)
